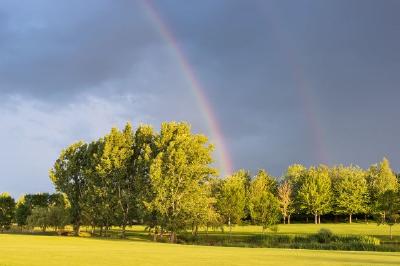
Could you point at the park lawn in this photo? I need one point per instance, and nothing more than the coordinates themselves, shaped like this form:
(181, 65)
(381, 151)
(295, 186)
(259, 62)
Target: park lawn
(53, 250)
(336, 228)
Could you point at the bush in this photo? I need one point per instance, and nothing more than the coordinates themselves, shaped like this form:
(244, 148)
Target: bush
(324, 236)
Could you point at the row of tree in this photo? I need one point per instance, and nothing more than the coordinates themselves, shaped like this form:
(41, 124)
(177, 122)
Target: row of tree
(34, 210)
(166, 180)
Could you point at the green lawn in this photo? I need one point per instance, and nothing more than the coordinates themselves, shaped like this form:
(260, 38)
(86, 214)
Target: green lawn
(51, 250)
(371, 229)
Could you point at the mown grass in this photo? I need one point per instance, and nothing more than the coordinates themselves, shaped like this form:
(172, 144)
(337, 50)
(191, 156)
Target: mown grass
(36, 250)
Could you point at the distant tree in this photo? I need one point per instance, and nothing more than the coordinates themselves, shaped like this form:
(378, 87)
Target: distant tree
(350, 190)
(381, 178)
(285, 196)
(315, 192)
(22, 212)
(37, 200)
(39, 218)
(389, 209)
(69, 176)
(177, 173)
(7, 208)
(57, 216)
(263, 205)
(294, 176)
(232, 198)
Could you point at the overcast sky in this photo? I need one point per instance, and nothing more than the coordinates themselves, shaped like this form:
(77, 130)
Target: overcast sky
(290, 81)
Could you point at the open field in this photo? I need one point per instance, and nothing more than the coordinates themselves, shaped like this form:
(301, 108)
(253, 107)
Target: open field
(48, 250)
(370, 229)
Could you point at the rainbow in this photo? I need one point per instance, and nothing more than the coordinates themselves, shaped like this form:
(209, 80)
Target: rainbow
(224, 160)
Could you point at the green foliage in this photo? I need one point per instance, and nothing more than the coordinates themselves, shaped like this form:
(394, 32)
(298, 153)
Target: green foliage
(381, 178)
(232, 197)
(263, 205)
(7, 209)
(69, 176)
(315, 191)
(22, 211)
(388, 209)
(177, 176)
(350, 190)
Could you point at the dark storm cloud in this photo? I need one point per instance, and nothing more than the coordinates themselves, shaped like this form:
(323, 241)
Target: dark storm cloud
(61, 48)
(288, 80)
(258, 60)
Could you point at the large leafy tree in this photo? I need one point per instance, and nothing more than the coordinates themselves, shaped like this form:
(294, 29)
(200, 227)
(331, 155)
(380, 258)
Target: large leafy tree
(113, 170)
(350, 190)
(7, 208)
(263, 205)
(232, 198)
(69, 176)
(315, 192)
(144, 151)
(177, 173)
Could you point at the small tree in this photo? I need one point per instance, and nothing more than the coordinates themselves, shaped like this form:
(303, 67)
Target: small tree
(388, 209)
(7, 208)
(232, 198)
(285, 200)
(39, 218)
(22, 212)
(57, 217)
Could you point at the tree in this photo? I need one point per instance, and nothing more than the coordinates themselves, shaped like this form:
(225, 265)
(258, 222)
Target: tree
(380, 179)
(263, 205)
(285, 200)
(57, 216)
(69, 176)
(22, 212)
(113, 169)
(294, 176)
(39, 218)
(315, 192)
(389, 209)
(181, 166)
(7, 208)
(350, 190)
(232, 198)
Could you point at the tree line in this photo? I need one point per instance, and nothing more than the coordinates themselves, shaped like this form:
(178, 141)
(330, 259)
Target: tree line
(166, 180)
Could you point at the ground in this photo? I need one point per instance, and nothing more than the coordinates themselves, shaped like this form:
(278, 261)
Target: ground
(53, 250)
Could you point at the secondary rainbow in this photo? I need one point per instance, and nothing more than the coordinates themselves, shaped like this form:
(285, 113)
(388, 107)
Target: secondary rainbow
(195, 85)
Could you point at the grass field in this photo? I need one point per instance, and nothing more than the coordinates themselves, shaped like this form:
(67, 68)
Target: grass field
(371, 229)
(50, 250)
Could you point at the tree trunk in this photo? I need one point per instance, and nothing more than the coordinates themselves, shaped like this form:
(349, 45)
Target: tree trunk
(288, 219)
(123, 233)
(390, 230)
(77, 228)
(350, 216)
(230, 227)
(316, 218)
(284, 219)
(172, 237)
(319, 219)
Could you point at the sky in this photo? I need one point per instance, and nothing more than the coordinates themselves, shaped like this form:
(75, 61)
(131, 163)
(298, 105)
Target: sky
(287, 81)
